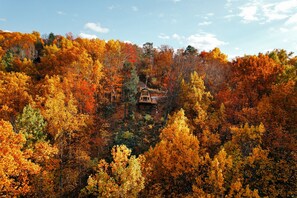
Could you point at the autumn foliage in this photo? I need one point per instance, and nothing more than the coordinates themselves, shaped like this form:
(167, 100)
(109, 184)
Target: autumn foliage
(220, 128)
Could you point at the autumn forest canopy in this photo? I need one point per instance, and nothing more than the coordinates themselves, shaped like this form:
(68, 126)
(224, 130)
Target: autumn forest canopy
(96, 118)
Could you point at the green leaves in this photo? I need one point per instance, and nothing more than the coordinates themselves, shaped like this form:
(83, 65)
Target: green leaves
(32, 124)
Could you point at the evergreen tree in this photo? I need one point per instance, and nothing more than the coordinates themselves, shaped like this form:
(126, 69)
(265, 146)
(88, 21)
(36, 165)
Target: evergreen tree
(32, 124)
(130, 88)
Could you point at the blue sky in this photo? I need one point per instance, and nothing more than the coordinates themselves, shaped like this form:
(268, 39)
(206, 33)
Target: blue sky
(237, 27)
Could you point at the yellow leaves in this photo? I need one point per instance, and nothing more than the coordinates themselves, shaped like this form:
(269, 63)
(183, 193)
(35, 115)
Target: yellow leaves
(195, 99)
(113, 46)
(121, 178)
(95, 47)
(2, 52)
(60, 109)
(217, 173)
(238, 191)
(248, 133)
(43, 152)
(177, 152)
(217, 54)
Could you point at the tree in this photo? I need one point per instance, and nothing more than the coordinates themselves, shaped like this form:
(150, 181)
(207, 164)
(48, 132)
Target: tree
(195, 100)
(175, 158)
(121, 178)
(216, 180)
(131, 81)
(14, 94)
(95, 48)
(32, 124)
(163, 62)
(15, 164)
(251, 78)
(68, 128)
(7, 62)
(148, 60)
(246, 138)
(190, 50)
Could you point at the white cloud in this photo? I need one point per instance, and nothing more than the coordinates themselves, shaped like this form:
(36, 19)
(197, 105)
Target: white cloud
(271, 14)
(178, 37)
(201, 41)
(229, 16)
(265, 11)
(175, 1)
(205, 23)
(283, 30)
(3, 19)
(248, 13)
(164, 36)
(286, 6)
(61, 13)
(292, 20)
(134, 8)
(204, 41)
(87, 36)
(96, 27)
(129, 42)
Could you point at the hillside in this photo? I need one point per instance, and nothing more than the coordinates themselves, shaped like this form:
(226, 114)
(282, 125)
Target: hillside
(72, 123)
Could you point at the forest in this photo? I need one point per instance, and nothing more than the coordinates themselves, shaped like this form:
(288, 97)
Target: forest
(72, 124)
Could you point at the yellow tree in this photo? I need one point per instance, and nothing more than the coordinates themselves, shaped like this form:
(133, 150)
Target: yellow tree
(94, 47)
(67, 126)
(195, 99)
(252, 169)
(175, 158)
(15, 164)
(215, 182)
(121, 178)
(232, 176)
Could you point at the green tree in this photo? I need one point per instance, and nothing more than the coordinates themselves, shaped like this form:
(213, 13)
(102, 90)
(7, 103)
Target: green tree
(32, 124)
(190, 50)
(130, 88)
(7, 62)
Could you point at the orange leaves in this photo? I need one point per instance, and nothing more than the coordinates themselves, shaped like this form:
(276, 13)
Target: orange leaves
(130, 51)
(14, 94)
(84, 93)
(251, 79)
(15, 167)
